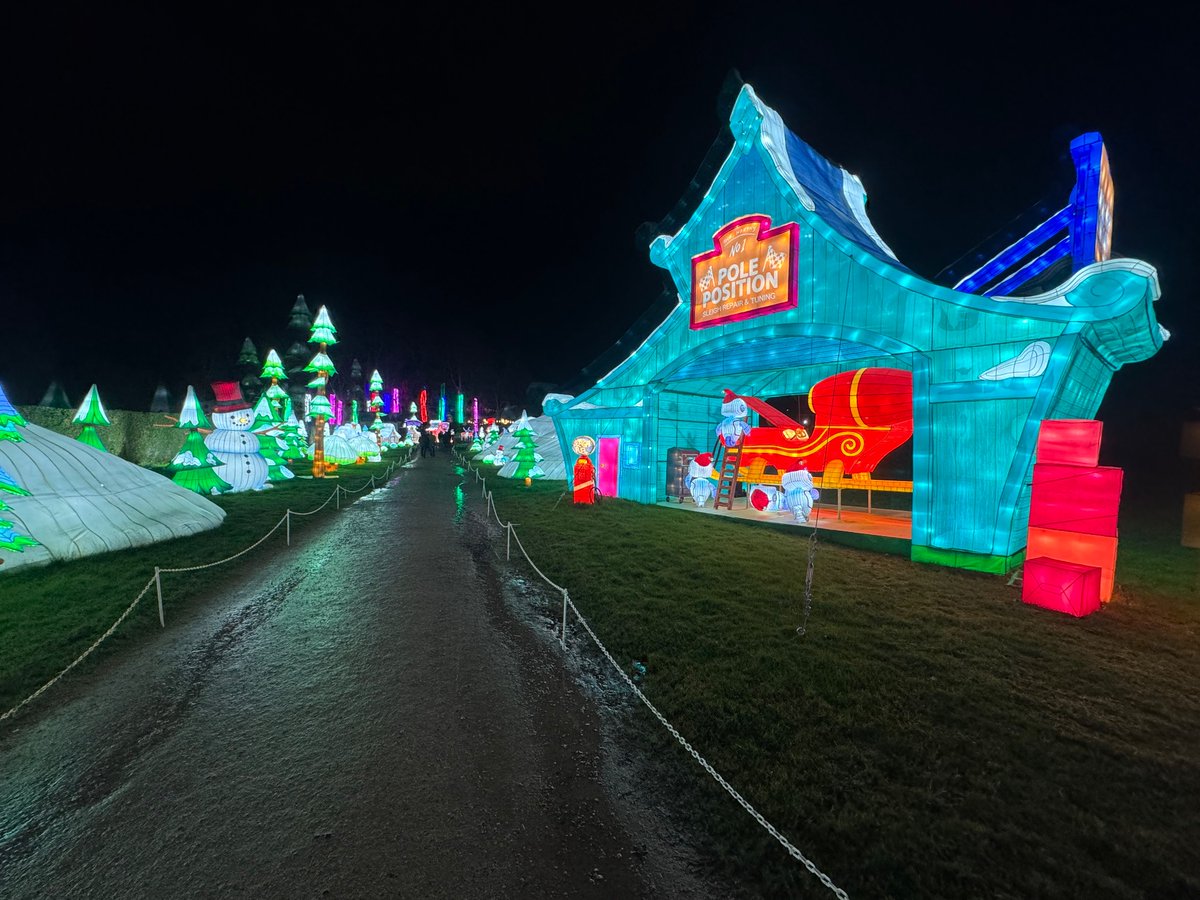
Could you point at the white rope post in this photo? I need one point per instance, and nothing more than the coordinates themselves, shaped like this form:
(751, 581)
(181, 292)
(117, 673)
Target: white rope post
(337, 496)
(289, 527)
(158, 586)
(563, 637)
(508, 541)
(484, 480)
(372, 482)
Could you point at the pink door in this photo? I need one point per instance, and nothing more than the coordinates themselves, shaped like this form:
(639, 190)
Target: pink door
(607, 459)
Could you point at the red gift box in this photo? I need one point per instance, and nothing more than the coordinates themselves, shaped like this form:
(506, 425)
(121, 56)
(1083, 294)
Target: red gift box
(1075, 442)
(1076, 498)
(1066, 587)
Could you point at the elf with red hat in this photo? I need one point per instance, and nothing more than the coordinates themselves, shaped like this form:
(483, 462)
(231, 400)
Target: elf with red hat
(699, 478)
(734, 426)
(798, 490)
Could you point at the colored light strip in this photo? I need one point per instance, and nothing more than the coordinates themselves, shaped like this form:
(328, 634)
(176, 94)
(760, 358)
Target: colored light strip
(1015, 252)
(1031, 269)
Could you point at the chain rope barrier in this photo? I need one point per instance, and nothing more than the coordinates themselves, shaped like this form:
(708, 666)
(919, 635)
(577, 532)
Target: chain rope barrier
(221, 562)
(328, 500)
(83, 655)
(791, 848)
(156, 582)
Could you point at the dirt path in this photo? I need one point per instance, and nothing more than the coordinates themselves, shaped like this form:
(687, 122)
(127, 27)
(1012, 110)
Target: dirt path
(361, 717)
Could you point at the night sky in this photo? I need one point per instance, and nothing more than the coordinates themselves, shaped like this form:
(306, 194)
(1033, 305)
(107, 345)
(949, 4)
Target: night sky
(467, 201)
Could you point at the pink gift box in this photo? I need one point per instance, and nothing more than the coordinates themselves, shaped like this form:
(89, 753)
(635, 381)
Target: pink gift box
(1066, 587)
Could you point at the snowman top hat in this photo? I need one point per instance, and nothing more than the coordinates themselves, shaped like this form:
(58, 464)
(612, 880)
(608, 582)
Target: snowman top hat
(229, 397)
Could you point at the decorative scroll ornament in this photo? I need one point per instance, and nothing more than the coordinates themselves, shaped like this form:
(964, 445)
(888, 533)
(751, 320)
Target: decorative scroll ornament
(1032, 361)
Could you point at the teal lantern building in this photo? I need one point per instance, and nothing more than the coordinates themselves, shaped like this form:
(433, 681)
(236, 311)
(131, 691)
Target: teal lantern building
(783, 284)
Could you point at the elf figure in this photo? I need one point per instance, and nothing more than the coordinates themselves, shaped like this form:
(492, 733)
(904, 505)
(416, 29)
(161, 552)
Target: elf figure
(585, 480)
(734, 426)
(767, 498)
(798, 491)
(234, 442)
(699, 479)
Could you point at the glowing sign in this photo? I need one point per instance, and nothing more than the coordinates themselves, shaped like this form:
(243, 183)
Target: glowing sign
(751, 271)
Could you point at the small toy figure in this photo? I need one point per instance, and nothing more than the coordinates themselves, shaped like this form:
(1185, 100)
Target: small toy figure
(798, 490)
(734, 426)
(584, 475)
(699, 479)
(767, 498)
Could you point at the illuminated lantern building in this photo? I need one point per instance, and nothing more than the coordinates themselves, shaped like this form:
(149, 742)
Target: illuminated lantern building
(782, 288)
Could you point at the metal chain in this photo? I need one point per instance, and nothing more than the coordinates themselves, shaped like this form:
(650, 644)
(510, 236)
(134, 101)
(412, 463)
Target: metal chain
(151, 583)
(311, 512)
(787, 845)
(531, 562)
(808, 580)
(83, 655)
(230, 558)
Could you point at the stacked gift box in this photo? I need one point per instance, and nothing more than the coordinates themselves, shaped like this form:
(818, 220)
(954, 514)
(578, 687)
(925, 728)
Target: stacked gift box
(1071, 556)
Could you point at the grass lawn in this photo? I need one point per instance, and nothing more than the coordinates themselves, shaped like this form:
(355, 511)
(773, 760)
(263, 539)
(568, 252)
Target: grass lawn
(40, 633)
(930, 735)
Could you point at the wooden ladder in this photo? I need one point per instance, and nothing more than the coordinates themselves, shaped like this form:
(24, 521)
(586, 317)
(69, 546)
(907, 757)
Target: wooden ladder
(731, 462)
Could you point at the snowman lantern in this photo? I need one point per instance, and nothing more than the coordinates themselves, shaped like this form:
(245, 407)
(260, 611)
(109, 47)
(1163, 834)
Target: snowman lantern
(233, 441)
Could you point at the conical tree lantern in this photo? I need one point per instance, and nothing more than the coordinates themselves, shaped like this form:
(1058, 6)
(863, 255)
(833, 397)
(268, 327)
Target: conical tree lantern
(90, 414)
(323, 335)
(193, 465)
(273, 369)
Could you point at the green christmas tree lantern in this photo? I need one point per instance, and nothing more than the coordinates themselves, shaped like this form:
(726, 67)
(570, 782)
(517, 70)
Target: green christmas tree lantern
(266, 426)
(295, 441)
(9, 420)
(375, 403)
(90, 414)
(525, 455)
(323, 335)
(10, 538)
(273, 369)
(193, 465)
